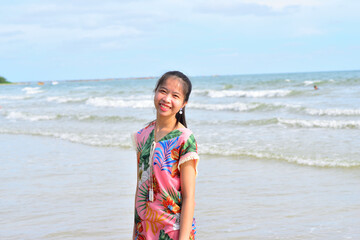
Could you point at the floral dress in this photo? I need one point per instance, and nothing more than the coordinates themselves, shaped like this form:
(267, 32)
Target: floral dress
(158, 196)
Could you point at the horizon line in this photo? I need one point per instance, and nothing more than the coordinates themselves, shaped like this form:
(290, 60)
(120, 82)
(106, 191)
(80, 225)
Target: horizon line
(155, 77)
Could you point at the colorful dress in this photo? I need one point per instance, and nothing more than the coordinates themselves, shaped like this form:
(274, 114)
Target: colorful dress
(158, 216)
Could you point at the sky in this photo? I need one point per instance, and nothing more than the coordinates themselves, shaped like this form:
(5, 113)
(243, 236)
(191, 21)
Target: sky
(86, 39)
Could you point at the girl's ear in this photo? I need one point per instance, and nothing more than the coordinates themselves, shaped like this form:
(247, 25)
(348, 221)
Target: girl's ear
(184, 104)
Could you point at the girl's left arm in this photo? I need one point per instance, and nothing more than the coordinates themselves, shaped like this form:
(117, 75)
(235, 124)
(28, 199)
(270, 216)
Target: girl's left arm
(187, 179)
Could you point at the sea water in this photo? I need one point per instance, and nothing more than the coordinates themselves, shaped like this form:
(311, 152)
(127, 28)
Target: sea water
(268, 117)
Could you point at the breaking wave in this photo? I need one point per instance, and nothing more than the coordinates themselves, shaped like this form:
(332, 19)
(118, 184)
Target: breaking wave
(104, 140)
(32, 90)
(28, 117)
(316, 162)
(14, 115)
(336, 124)
(333, 112)
(65, 99)
(243, 93)
(119, 102)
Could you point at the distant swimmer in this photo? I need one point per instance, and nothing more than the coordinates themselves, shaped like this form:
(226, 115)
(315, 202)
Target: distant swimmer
(316, 88)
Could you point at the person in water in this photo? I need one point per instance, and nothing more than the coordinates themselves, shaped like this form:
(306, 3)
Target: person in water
(316, 87)
(167, 158)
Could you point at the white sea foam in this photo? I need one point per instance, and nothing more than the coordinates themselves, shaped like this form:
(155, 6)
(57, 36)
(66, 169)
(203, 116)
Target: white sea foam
(64, 99)
(14, 97)
(338, 124)
(119, 102)
(104, 140)
(28, 117)
(333, 112)
(32, 90)
(304, 161)
(84, 87)
(317, 162)
(307, 83)
(242, 93)
(138, 97)
(239, 107)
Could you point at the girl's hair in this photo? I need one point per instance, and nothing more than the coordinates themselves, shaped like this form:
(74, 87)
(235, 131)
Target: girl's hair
(186, 84)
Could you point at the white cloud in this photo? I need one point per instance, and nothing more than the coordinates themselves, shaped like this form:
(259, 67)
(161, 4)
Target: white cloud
(113, 24)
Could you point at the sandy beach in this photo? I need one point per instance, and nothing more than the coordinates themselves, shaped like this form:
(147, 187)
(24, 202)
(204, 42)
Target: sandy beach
(55, 189)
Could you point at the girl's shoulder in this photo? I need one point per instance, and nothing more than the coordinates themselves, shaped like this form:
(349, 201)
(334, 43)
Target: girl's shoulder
(186, 133)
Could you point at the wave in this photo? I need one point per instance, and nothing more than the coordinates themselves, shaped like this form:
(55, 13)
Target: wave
(32, 90)
(82, 118)
(257, 122)
(14, 97)
(258, 106)
(96, 140)
(242, 107)
(333, 112)
(307, 83)
(316, 162)
(238, 106)
(28, 117)
(243, 93)
(336, 124)
(119, 102)
(65, 99)
(84, 87)
(343, 81)
(299, 123)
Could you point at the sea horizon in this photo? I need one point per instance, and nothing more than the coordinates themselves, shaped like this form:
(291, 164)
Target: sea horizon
(198, 75)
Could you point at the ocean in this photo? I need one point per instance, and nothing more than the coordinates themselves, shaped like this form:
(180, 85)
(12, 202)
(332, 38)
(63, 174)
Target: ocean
(274, 116)
(279, 159)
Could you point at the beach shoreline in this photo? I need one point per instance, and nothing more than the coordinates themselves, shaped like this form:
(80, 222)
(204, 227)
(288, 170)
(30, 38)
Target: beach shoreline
(55, 189)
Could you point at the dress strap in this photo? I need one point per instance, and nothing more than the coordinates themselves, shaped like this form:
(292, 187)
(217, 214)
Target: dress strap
(151, 161)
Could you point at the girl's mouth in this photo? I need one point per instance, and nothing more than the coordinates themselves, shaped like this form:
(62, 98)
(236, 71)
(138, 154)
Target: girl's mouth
(164, 107)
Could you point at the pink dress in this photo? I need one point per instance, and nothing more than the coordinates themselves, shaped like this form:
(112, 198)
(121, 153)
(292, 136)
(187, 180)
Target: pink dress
(158, 196)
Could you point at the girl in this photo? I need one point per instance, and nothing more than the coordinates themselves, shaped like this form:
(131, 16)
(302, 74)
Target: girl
(167, 161)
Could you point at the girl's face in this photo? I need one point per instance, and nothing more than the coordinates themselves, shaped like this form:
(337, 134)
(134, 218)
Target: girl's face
(169, 97)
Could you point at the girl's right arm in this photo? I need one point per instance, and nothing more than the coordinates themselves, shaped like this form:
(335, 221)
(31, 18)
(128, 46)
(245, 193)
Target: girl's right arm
(137, 182)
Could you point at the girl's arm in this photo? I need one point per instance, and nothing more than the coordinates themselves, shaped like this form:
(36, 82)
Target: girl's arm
(137, 183)
(134, 213)
(187, 179)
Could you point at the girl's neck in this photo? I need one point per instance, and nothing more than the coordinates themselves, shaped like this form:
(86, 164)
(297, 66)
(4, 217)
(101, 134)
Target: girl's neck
(164, 124)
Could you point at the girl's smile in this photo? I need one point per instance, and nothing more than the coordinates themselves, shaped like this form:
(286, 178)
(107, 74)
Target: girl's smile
(164, 107)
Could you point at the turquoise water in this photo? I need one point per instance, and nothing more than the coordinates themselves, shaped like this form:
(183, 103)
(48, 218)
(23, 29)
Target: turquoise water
(273, 116)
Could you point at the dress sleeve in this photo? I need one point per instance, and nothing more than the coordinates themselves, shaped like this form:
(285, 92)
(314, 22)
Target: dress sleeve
(189, 151)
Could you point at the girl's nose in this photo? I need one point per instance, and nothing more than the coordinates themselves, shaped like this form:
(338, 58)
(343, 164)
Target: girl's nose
(166, 98)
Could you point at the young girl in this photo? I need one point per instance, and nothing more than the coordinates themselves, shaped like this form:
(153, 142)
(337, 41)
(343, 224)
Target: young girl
(167, 161)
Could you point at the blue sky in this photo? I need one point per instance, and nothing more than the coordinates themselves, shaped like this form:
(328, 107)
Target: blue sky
(87, 39)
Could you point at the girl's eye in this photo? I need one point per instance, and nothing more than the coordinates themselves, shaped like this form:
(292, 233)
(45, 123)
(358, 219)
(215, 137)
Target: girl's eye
(176, 96)
(162, 91)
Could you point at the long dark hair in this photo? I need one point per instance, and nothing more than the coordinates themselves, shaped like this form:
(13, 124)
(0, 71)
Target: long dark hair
(186, 91)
